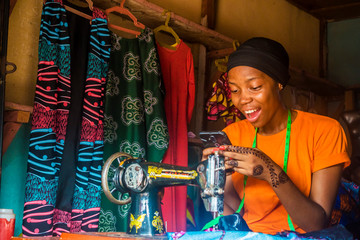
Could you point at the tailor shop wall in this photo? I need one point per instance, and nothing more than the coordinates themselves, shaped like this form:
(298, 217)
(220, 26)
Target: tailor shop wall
(238, 19)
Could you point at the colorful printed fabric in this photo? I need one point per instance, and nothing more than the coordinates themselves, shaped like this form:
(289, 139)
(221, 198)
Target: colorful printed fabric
(220, 104)
(44, 213)
(347, 204)
(135, 120)
(335, 233)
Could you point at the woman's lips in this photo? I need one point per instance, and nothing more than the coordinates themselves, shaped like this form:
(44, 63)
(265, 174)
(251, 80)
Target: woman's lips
(253, 115)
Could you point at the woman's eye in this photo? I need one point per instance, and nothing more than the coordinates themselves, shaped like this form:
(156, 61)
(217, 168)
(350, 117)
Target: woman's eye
(256, 88)
(233, 90)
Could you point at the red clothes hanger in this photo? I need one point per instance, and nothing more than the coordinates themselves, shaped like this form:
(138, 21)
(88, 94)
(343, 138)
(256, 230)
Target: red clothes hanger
(120, 9)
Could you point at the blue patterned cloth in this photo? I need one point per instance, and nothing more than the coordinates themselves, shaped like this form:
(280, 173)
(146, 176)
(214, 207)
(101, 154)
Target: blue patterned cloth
(334, 233)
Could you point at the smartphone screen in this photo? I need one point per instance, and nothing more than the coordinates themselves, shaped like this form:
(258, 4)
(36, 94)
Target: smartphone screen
(214, 139)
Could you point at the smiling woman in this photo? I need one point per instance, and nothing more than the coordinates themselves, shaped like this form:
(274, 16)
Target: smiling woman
(287, 162)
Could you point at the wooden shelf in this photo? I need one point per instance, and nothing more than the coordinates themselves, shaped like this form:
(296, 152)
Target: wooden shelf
(151, 15)
(320, 86)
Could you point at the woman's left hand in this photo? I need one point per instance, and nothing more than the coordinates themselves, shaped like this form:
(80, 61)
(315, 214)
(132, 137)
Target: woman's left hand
(253, 162)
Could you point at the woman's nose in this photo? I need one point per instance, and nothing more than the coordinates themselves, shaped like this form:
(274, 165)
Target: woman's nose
(245, 98)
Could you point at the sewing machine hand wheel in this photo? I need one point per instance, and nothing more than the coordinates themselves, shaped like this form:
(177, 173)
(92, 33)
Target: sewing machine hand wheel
(109, 175)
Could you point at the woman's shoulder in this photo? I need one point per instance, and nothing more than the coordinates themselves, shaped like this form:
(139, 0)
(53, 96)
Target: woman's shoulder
(315, 120)
(238, 125)
(242, 126)
(315, 124)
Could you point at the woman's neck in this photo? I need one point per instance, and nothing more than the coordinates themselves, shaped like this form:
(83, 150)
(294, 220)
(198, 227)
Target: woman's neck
(277, 123)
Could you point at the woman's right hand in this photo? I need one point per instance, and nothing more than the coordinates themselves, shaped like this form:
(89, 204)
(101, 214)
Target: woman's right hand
(208, 151)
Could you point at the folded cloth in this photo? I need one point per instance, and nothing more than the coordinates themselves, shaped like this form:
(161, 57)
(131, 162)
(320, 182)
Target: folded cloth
(233, 222)
(338, 232)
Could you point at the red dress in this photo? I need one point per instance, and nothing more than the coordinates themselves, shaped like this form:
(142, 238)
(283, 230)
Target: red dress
(178, 74)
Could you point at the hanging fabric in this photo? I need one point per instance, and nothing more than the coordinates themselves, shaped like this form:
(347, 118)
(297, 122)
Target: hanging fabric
(177, 68)
(220, 105)
(63, 181)
(135, 121)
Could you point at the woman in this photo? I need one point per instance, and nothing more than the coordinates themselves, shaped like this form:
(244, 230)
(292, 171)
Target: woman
(313, 148)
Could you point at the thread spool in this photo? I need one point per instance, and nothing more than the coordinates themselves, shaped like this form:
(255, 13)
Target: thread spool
(7, 223)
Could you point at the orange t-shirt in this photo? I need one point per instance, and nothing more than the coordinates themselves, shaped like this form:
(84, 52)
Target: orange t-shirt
(316, 142)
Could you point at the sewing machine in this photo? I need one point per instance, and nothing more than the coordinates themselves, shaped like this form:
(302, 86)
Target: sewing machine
(144, 181)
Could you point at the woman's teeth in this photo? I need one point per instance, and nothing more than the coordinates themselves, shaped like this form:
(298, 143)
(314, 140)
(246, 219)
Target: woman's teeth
(250, 111)
(252, 114)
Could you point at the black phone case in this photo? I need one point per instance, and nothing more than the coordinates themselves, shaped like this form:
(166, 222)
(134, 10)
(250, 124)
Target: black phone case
(214, 139)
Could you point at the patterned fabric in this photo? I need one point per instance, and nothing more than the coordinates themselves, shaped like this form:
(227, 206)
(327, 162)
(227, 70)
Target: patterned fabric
(334, 233)
(347, 204)
(135, 120)
(220, 104)
(51, 112)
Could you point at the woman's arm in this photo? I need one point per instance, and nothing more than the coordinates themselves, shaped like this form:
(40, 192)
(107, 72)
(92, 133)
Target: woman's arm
(309, 213)
(231, 198)
(313, 213)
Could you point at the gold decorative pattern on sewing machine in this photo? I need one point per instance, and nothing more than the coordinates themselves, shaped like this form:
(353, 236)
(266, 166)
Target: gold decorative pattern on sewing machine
(137, 222)
(158, 222)
(156, 172)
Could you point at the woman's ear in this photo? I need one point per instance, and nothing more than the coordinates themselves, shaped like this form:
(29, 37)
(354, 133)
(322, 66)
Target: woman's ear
(280, 86)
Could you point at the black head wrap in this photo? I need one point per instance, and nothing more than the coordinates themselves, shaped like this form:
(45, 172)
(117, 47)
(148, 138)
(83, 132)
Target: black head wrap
(265, 55)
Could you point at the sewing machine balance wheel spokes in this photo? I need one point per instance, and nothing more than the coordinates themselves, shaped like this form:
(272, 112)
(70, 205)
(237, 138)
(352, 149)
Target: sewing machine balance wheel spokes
(110, 177)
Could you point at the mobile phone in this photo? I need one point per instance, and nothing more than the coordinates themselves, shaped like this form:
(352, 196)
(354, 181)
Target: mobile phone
(214, 139)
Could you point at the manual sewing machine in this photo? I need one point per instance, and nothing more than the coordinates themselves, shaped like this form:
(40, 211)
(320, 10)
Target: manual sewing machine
(144, 182)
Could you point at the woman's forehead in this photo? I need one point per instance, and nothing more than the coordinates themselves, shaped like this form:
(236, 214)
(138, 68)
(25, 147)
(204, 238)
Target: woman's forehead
(246, 74)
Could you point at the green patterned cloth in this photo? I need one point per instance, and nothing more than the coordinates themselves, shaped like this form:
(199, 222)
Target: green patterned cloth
(135, 120)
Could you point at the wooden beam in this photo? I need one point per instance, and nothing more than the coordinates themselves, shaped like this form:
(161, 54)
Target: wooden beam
(301, 7)
(215, 54)
(10, 130)
(332, 8)
(208, 12)
(16, 106)
(323, 49)
(151, 15)
(349, 100)
(12, 5)
(200, 87)
(16, 116)
(320, 86)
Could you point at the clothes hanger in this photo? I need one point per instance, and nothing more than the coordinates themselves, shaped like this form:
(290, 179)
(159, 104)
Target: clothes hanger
(79, 13)
(120, 9)
(221, 63)
(166, 28)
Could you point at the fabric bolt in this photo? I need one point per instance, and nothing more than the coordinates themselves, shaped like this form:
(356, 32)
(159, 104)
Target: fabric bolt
(63, 181)
(219, 104)
(135, 121)
(177, 68)
(316, 142)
